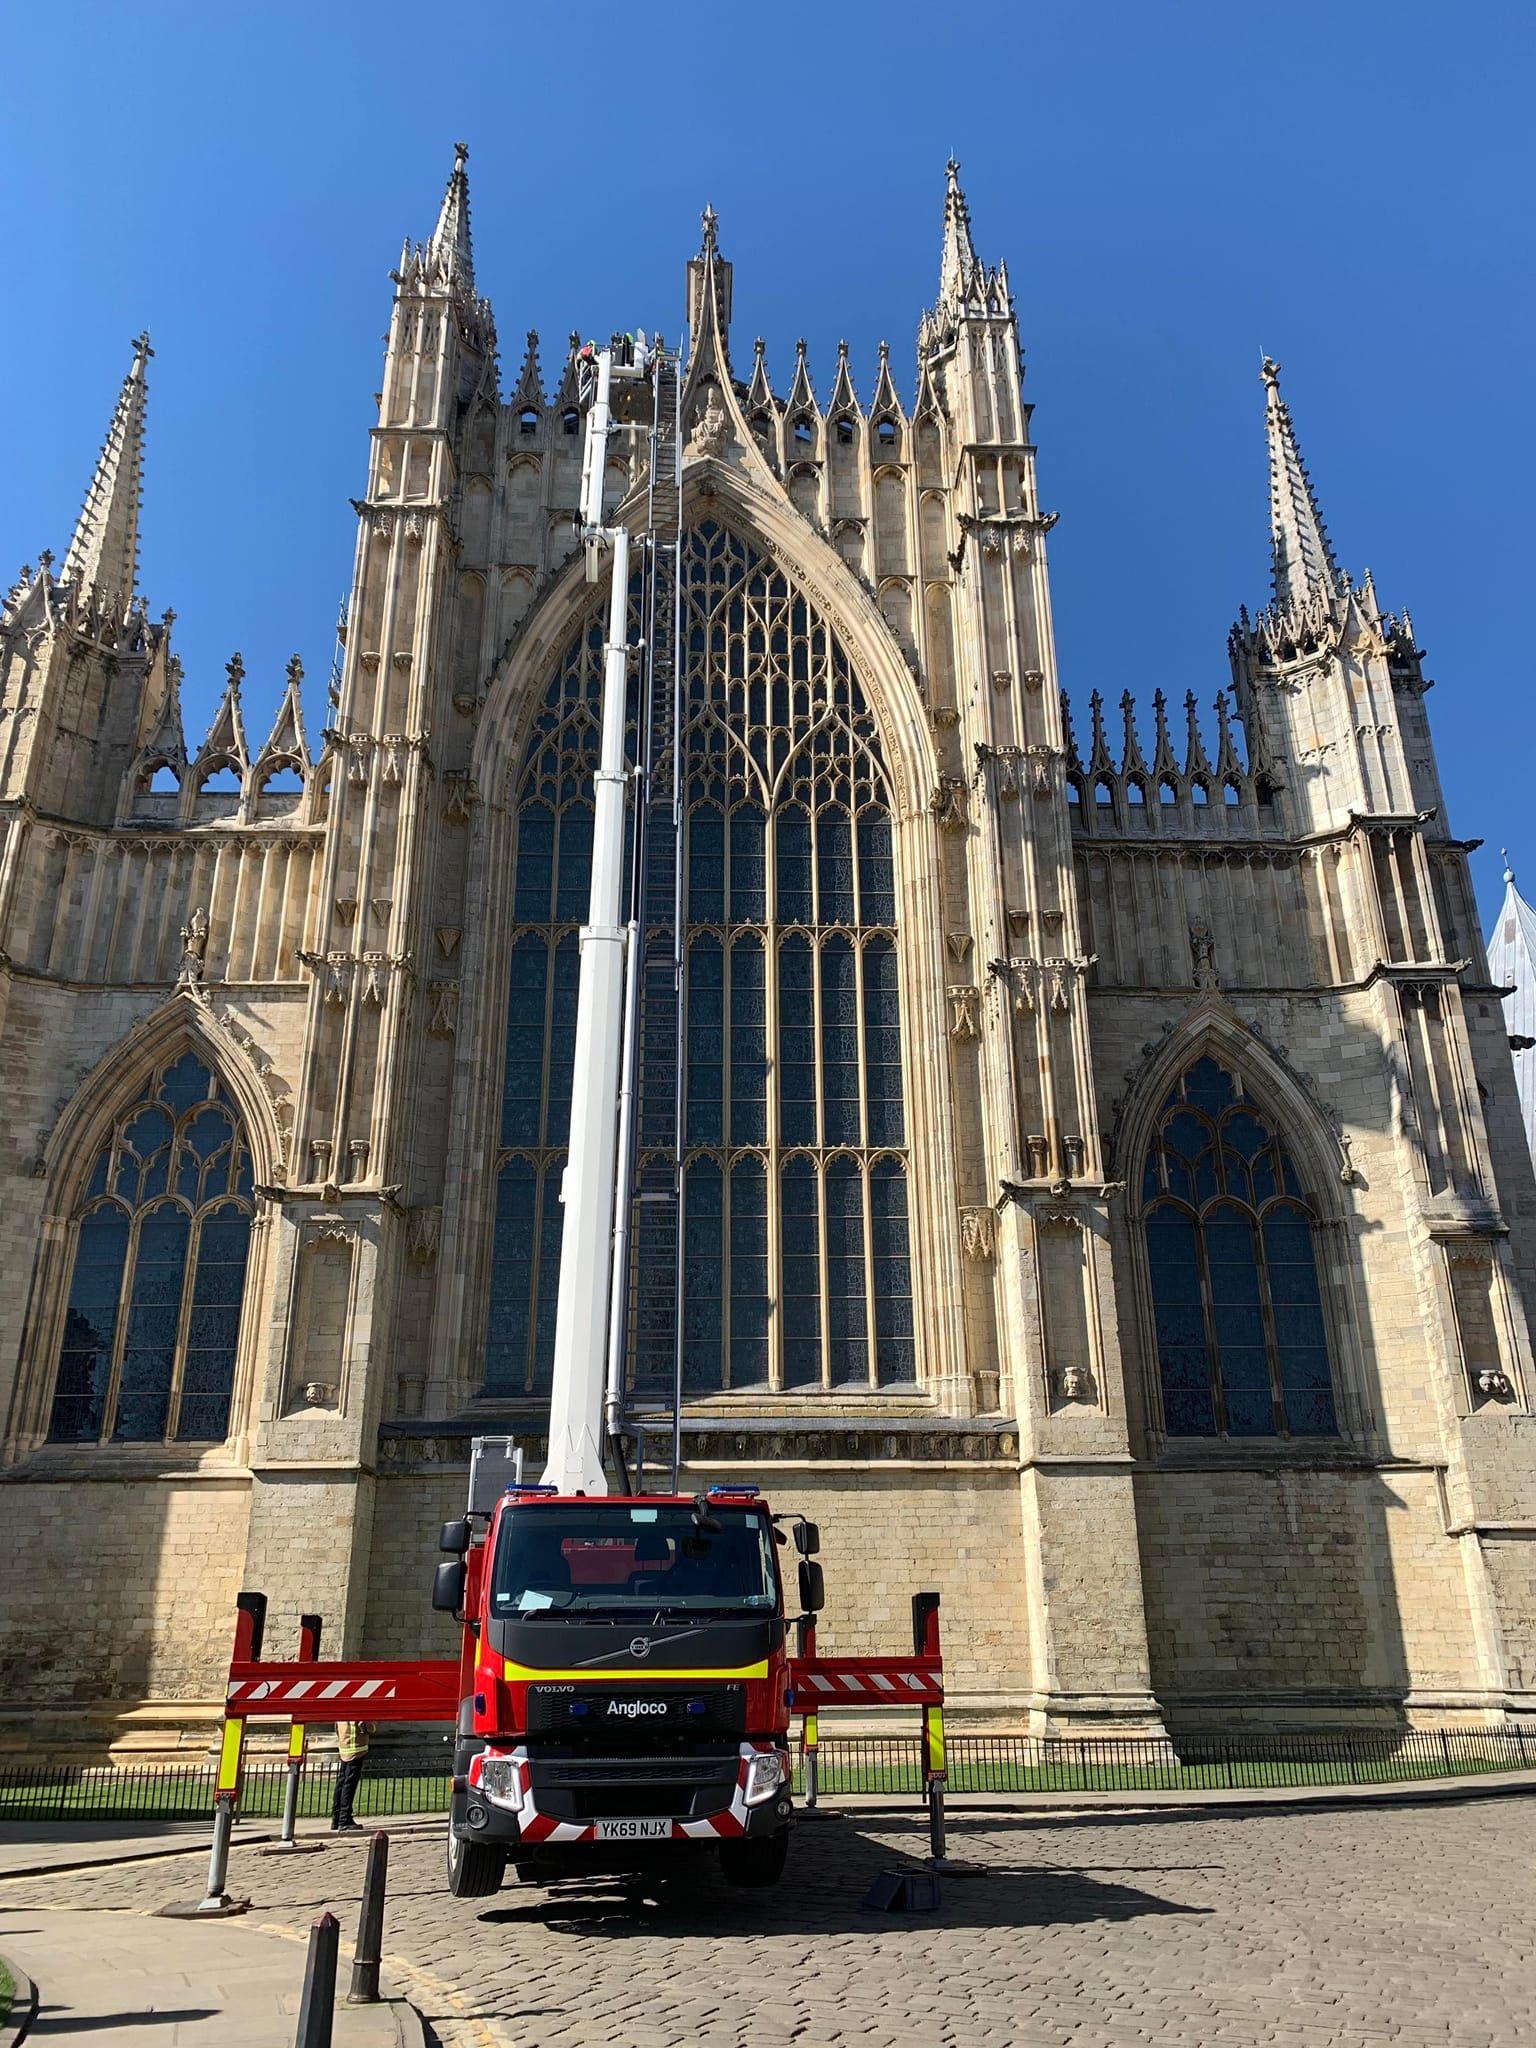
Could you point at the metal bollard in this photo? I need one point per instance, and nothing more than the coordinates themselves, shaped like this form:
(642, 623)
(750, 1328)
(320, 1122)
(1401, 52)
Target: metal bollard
(936, 1854)
(317, 2004)
(218, 1855)
(370, 1926)
(291, 1801)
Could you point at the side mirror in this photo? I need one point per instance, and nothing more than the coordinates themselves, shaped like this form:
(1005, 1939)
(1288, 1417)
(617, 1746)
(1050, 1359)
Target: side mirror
(808, 1536)
(448, 1586)
(813, 1587)
(454, 1537)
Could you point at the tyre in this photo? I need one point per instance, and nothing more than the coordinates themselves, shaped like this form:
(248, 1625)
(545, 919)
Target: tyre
(755, 1863)
(475, 1870)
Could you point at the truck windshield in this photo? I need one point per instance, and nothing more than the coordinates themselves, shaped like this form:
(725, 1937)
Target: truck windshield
(621, 1560)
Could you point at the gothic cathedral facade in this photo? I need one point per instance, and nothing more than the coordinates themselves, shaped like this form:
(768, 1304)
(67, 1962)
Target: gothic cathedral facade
(1105, 1196)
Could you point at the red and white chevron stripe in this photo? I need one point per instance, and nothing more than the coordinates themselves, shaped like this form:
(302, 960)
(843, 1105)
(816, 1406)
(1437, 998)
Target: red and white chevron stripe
(832, 1684)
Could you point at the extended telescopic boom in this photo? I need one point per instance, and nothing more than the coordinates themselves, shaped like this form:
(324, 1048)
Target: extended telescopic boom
(589, 1188)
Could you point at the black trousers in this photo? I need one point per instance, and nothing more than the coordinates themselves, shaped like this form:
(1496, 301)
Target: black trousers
(348, 1774)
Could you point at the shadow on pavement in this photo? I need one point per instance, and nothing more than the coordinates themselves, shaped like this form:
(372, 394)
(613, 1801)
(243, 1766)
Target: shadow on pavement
(68, 2026)
(831, 1868)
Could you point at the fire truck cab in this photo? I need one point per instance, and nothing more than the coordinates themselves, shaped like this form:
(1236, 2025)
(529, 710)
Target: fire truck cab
(626, 1682)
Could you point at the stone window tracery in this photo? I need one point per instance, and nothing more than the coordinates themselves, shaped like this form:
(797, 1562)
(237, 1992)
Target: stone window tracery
(1242, 1344)
(162, 1235)
(795, 1211)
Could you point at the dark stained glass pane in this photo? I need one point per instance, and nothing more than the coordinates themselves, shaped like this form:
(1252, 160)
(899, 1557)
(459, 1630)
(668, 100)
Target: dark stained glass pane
(797, 1043)
(839, 1043)
(1237, 1320)
(802, 1275)
(535, 864)
(213, 1326)
(513, 1258)
(792, 841)
(1173, 1259)
(706, 1041)
(749, 889)
(882, 1043)
(1208, 1087)
(847, 1306)
(703, 1277)
(750, 1297)
(187, 1082)
(573, 888)
(749, 1045)
(877, 881)
(523, 1076)
(1301, 1337)
(895, 1353)
(90, 1327)
(834, 867)
(706, 865)
(154, 1314)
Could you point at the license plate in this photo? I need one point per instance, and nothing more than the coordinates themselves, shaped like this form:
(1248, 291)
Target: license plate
(634, 1831)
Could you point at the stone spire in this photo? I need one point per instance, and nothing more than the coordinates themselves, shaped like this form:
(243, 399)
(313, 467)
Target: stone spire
(450, 247)
(960, 272)
(103, 556)
(1303, 558)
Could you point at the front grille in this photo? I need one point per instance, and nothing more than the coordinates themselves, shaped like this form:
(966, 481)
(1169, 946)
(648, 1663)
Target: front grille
(588, 1788)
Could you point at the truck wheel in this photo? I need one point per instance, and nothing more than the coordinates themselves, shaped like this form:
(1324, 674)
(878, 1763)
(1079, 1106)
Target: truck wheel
(475, 1870)
(756, 1863)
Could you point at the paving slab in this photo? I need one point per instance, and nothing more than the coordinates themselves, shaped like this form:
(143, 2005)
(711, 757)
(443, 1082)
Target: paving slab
(177, 1984)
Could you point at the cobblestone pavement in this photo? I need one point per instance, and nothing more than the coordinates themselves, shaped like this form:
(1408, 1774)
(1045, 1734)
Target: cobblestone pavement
(1403, 1925)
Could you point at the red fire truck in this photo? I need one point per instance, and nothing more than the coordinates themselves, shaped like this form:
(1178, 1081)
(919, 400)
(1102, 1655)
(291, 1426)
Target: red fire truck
(626, 1685)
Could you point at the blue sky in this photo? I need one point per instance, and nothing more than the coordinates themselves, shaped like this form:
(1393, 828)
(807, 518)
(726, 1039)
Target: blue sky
(1173, 187)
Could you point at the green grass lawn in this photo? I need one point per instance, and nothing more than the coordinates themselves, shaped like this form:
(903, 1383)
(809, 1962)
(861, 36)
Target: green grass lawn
(7, 1992)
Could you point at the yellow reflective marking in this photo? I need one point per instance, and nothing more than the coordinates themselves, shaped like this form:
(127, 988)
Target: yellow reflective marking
(229, 1755)
(935, 1719)
(296, 1742)
(812, 1727)
(526, 1674)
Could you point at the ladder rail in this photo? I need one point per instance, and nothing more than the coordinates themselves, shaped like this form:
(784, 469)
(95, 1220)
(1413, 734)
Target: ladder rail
(658, 678)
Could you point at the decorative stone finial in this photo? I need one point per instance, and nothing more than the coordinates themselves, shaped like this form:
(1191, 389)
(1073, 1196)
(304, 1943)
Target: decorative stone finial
(1509, 873)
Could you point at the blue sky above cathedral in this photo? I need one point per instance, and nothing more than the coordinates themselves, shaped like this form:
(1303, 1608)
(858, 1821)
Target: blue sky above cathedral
(1173, 191)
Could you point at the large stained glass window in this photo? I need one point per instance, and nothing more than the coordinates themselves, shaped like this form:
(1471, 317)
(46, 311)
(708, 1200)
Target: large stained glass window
(795, 1212)
(161, 1239)
(1242, 1346)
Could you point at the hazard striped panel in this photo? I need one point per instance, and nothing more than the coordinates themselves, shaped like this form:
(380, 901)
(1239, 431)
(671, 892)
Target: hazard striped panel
(866, 1682)
(425, 1690)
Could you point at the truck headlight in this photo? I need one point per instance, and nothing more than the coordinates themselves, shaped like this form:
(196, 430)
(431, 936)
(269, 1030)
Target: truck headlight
(765, 1774)
(498, 1779)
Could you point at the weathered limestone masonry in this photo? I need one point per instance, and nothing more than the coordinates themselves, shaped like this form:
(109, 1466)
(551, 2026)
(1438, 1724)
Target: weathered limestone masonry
(1106, 1195)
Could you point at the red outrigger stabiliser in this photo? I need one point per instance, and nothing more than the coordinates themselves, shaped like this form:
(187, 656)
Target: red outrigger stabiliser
(429, 1689)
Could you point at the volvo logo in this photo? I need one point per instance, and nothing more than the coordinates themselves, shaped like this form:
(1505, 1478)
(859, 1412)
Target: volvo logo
(640, 1647)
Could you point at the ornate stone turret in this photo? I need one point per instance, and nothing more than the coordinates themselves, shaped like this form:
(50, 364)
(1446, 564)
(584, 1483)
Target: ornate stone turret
(76, 647)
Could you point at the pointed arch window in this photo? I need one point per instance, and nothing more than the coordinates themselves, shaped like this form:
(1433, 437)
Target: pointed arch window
(162, 1238)
(1242, 1342)
(795, 1210)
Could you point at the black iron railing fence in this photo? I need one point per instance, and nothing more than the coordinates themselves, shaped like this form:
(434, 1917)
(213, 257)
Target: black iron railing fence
(401, 1783)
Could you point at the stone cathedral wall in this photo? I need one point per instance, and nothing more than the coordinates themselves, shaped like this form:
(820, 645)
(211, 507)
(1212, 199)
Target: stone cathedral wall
(119, 1591)
(1294, 1593)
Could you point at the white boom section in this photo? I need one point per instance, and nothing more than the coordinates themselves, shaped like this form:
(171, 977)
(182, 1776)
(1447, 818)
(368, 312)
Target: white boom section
(588, 1189)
